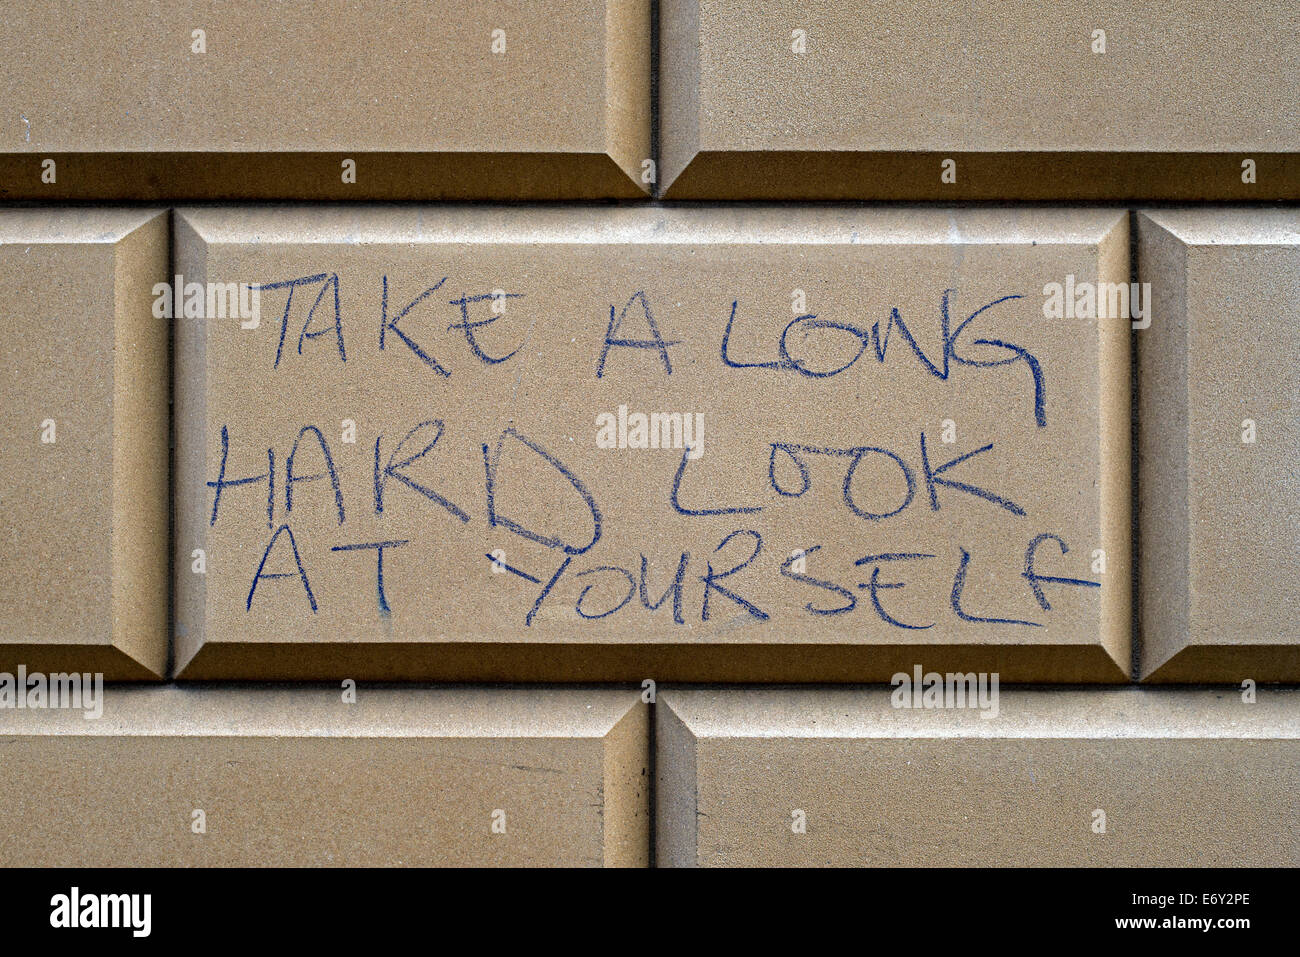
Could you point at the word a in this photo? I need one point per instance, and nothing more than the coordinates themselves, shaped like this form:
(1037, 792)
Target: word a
(657, 430)
(103, 910)
(933, 690)
(58, 690)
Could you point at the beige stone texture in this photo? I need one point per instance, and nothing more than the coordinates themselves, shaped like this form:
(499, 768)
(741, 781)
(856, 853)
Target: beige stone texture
(83, 517)
(1220, 516)
(300, 778)
(1036, 408)
(286, 91)
(1011, 90)
(1185, 778)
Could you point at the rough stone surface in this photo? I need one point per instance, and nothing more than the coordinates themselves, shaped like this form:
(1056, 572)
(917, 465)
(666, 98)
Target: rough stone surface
(299, 778)
(83, 442)
(868, 500)
(1220, 515)
(1011, 90)
(286, 91)
(1183, 777)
